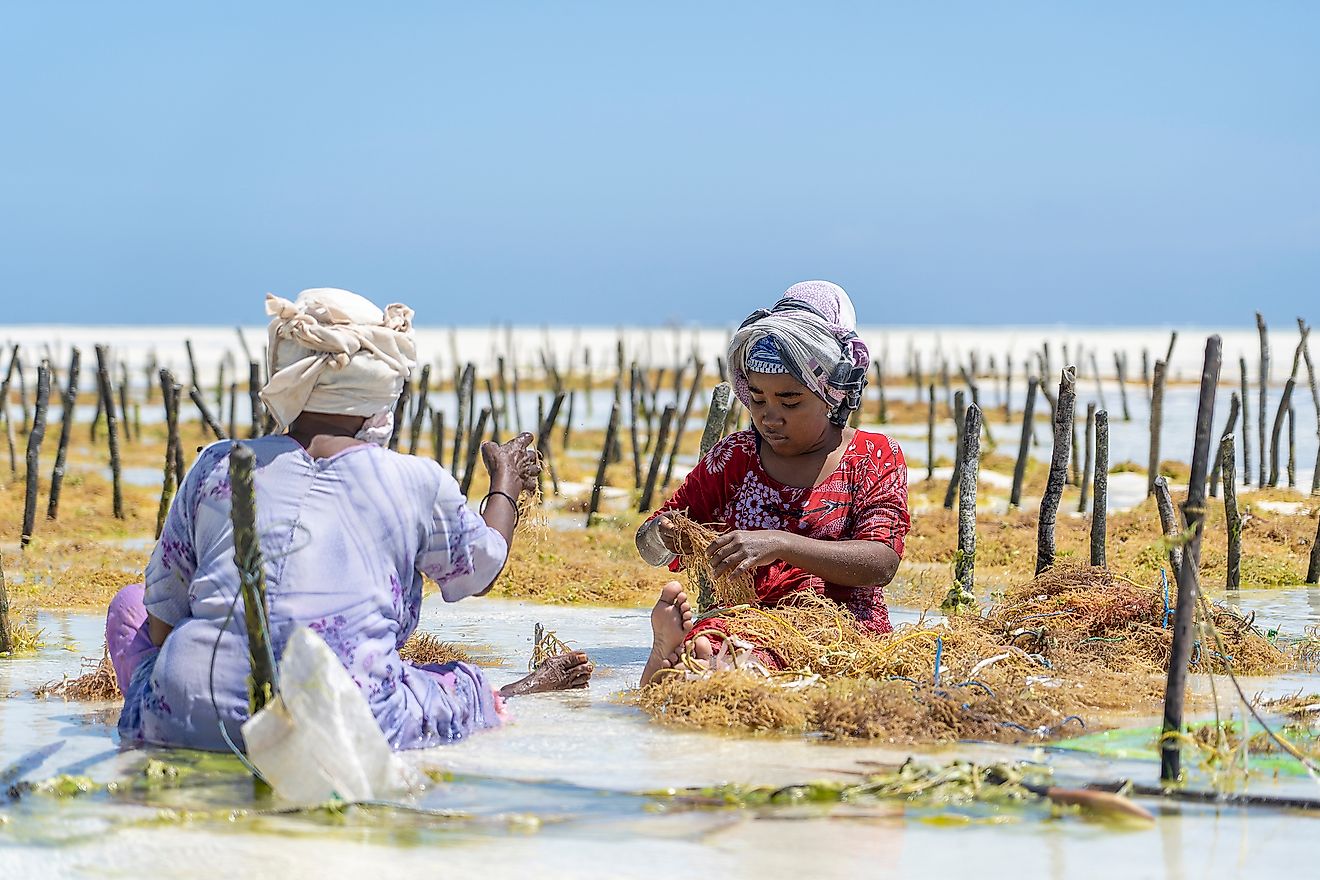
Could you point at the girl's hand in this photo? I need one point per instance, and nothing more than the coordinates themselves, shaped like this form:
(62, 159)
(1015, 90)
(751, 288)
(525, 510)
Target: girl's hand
(512, 466)
(742, 550)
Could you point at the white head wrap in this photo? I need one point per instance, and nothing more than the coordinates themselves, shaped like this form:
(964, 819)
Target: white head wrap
(332, 351)
(811, 332)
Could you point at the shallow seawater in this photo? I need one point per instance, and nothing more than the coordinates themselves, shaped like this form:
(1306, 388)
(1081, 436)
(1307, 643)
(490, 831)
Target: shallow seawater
(561, 791)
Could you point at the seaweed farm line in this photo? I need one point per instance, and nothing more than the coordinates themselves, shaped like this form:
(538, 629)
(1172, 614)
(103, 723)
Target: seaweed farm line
(562, 791)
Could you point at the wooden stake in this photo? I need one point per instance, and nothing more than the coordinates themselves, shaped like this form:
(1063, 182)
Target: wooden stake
(1285, 402)
(959, 414)
(464, 404)
(964, 570)
(1100, 504)
(438, 435)
(251, 578)
(1049, 503)
(715, 417)
(1120, 370)
(1088, 466)
(35, 435)
(1262, 403)
(930, 432)
(419, 413)
(1292, 448)
(1246, 425)
(682, 424)
(474, 446)
(1170, 527)
(634, 402)
(66, 431)
(1189, 573)
(171, 472)
(1234, 407)
(657, 453)
(545, 436)
(604, 464)
(1024, 449)
(1156, 423)
(254, 398)
(207, 418)
(111, 424)
(1232, 516)
(6, 633)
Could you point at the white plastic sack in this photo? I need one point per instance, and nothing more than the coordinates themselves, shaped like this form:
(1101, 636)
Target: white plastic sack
(317, 741)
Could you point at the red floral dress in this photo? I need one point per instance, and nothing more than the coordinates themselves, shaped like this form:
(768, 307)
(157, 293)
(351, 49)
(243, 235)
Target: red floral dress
(865, 499)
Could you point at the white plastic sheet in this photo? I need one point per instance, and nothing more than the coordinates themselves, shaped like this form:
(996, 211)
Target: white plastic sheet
(317, 741)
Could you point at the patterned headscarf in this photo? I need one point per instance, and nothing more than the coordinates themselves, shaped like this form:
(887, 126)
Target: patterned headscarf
(811, 333)
(333, 351)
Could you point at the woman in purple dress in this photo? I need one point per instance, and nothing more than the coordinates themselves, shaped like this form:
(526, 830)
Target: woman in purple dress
(347, 529)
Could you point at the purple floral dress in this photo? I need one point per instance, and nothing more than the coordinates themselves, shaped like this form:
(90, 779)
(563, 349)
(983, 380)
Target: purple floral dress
(345, 541)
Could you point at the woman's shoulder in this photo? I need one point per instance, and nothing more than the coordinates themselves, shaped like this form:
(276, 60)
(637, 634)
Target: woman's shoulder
(875, 447)
(738, 447)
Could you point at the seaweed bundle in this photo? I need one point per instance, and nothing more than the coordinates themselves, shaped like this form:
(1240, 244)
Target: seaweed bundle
(96, 684)
(1074, 640)
(728, 589)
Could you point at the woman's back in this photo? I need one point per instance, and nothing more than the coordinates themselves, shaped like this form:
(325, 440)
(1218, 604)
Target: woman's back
(342, 539)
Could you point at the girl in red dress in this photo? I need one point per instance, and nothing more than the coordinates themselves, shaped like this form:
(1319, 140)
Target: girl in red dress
(806, 502)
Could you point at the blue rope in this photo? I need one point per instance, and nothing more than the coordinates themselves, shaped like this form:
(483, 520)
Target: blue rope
(939, 653)
(1168, 611)
(977, 684)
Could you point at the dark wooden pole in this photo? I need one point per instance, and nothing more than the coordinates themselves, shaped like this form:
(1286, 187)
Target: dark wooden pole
(1234, 408)
(1232, 516)
(464, 403)
(207, 418)
(171, 473)
(35, 435)
(1170, 527)
(682, 424)
(634, 403)
(419, 414)
(1285, 402)
(1262, 402)
(1189, 573)
(930, 432)
(66, 431)
(1156, 423)
(6, 633)
(438, 435)
(1100, 501)
(604, 464)
(474, 446)
(1089, 462)
(1049, 503)
(1120, 369)
(715, 416)
(111, 424)
(1246, 424)
(964, 570)
(657, 453)
(544, 438)
(251, 578)
(955, 479)
(254, 398)
(1024, 450)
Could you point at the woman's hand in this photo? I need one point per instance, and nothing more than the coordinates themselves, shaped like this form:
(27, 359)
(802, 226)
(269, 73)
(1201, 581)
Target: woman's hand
(513, 466)
(741, 550)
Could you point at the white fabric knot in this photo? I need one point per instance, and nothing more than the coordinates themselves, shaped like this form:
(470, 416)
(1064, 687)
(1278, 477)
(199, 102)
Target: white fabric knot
(333, 351)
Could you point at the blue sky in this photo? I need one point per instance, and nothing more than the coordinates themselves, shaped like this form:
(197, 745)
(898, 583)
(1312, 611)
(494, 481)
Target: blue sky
(605, 163)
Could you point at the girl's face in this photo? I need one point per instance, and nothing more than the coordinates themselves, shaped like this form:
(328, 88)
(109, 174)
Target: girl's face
(787, 416)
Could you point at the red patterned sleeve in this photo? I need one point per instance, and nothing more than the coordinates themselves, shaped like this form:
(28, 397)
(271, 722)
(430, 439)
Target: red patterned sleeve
(705, 490)
(880, 508)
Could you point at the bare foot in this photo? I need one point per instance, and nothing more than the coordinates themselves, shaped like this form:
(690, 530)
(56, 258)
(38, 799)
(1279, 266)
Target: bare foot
(562, 673)
(671, 619)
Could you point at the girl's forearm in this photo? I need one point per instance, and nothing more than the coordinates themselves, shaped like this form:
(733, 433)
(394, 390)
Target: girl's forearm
(846, 563)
